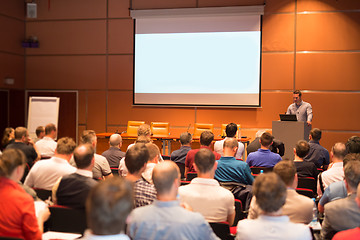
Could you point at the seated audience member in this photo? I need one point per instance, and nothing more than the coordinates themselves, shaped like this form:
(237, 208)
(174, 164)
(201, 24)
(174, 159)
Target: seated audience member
(8, 137)
(46, 146)
(230, 131)
(317, 153)
(122, 167)
(25, 144)
(144, 134)
(303, 169)
(337, 190)
(113, 155)
(205, 195)
(336, 172)
(353, 144)
(101, 167)
(206, 139)
(231, 170)
(136, 159)
(45, 173)
(165, 218)
(344, 213)
(354, 233)
(263, 157)
(154, 154)
(17, 210)
(72, 190)
(277, 146)
(179, 155)
(298, 208)
(270, 193)
(107, 208)
(40, 133)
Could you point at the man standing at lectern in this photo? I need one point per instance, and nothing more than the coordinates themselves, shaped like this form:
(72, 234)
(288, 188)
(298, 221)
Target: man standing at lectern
(303, 110)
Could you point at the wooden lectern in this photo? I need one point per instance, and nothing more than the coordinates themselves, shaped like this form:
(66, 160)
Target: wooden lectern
(290, 133)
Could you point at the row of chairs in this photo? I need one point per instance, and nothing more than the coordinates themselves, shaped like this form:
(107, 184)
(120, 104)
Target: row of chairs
(163, 128)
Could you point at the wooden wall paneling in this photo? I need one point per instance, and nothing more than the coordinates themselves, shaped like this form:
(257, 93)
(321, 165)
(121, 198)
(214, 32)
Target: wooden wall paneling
(277, 71)
(120, 110)
(120, 37)
(13, 8)
(227, 3)
(12, 33)
(82, 100)
(4, 108)
(153, 4)
(120, 72)
(119, 8)
(68, 37)
(279, 6)
(69, 9)
(278, 32)
(328, 31)
(67, 122)
(328, 5)
(328, 71)
(96, 111)
(335, 110)
(66, 72)
(12, 66)
(81, 128)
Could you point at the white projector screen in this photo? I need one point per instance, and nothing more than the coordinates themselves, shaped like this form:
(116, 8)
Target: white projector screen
(198, 61)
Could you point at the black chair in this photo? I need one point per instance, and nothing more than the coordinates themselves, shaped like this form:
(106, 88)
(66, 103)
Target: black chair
(222, 230)
(165, 157)
(183, 182)
(308, 183)
(64, 219)
(306, 192)
(10, 238)
(239, 213)
(256, 170)
(190, 176)
(43, 194)
(181, 168)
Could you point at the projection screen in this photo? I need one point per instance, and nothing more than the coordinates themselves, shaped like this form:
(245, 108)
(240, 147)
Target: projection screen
(205, 57)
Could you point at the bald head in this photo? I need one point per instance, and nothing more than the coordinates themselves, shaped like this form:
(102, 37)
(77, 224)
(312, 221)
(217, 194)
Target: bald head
(339, 150)
(164, 175)
(230, 147)
(115, 140)
(83, 155)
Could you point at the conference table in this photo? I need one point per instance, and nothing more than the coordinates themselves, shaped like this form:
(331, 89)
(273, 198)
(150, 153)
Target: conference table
(166, 141)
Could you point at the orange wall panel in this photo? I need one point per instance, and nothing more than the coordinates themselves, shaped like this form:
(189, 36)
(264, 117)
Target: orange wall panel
(120, 72)
(277, 71)
(82, 102)
(121, 39)
(13, 8)
(68, 37)
(70, 9)
(12, 66)
(12, 33)
(119, 8)
(328, 71)
(227, 3)
(146, 4)
(120, 110)
(65, 72)
(278, 32)
(96, 111)
(81, 128)
(328, 5)
(328, 31)
(279, 6)
(335, 111)
(328, 139)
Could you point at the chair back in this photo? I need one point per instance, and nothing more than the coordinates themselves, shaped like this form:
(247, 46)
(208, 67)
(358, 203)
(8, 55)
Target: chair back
(191, 175)
(306, 192)
(115, 171)
(160, 128)
(200, 127)
(132, 127)
(239, 214)
(166, 157)
(43, 194)
(222, 230)
(10, 238)
(223, 130)
(256, 170)
(181, 168)
(307, 183)
(64, 219)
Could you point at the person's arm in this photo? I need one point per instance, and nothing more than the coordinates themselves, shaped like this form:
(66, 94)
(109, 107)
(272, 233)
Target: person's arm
(309, 114)
(254, 209)
(288, 111)
(230, 219)
(105, 169)
(249, 177)
(54, 190)
(281, 148)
